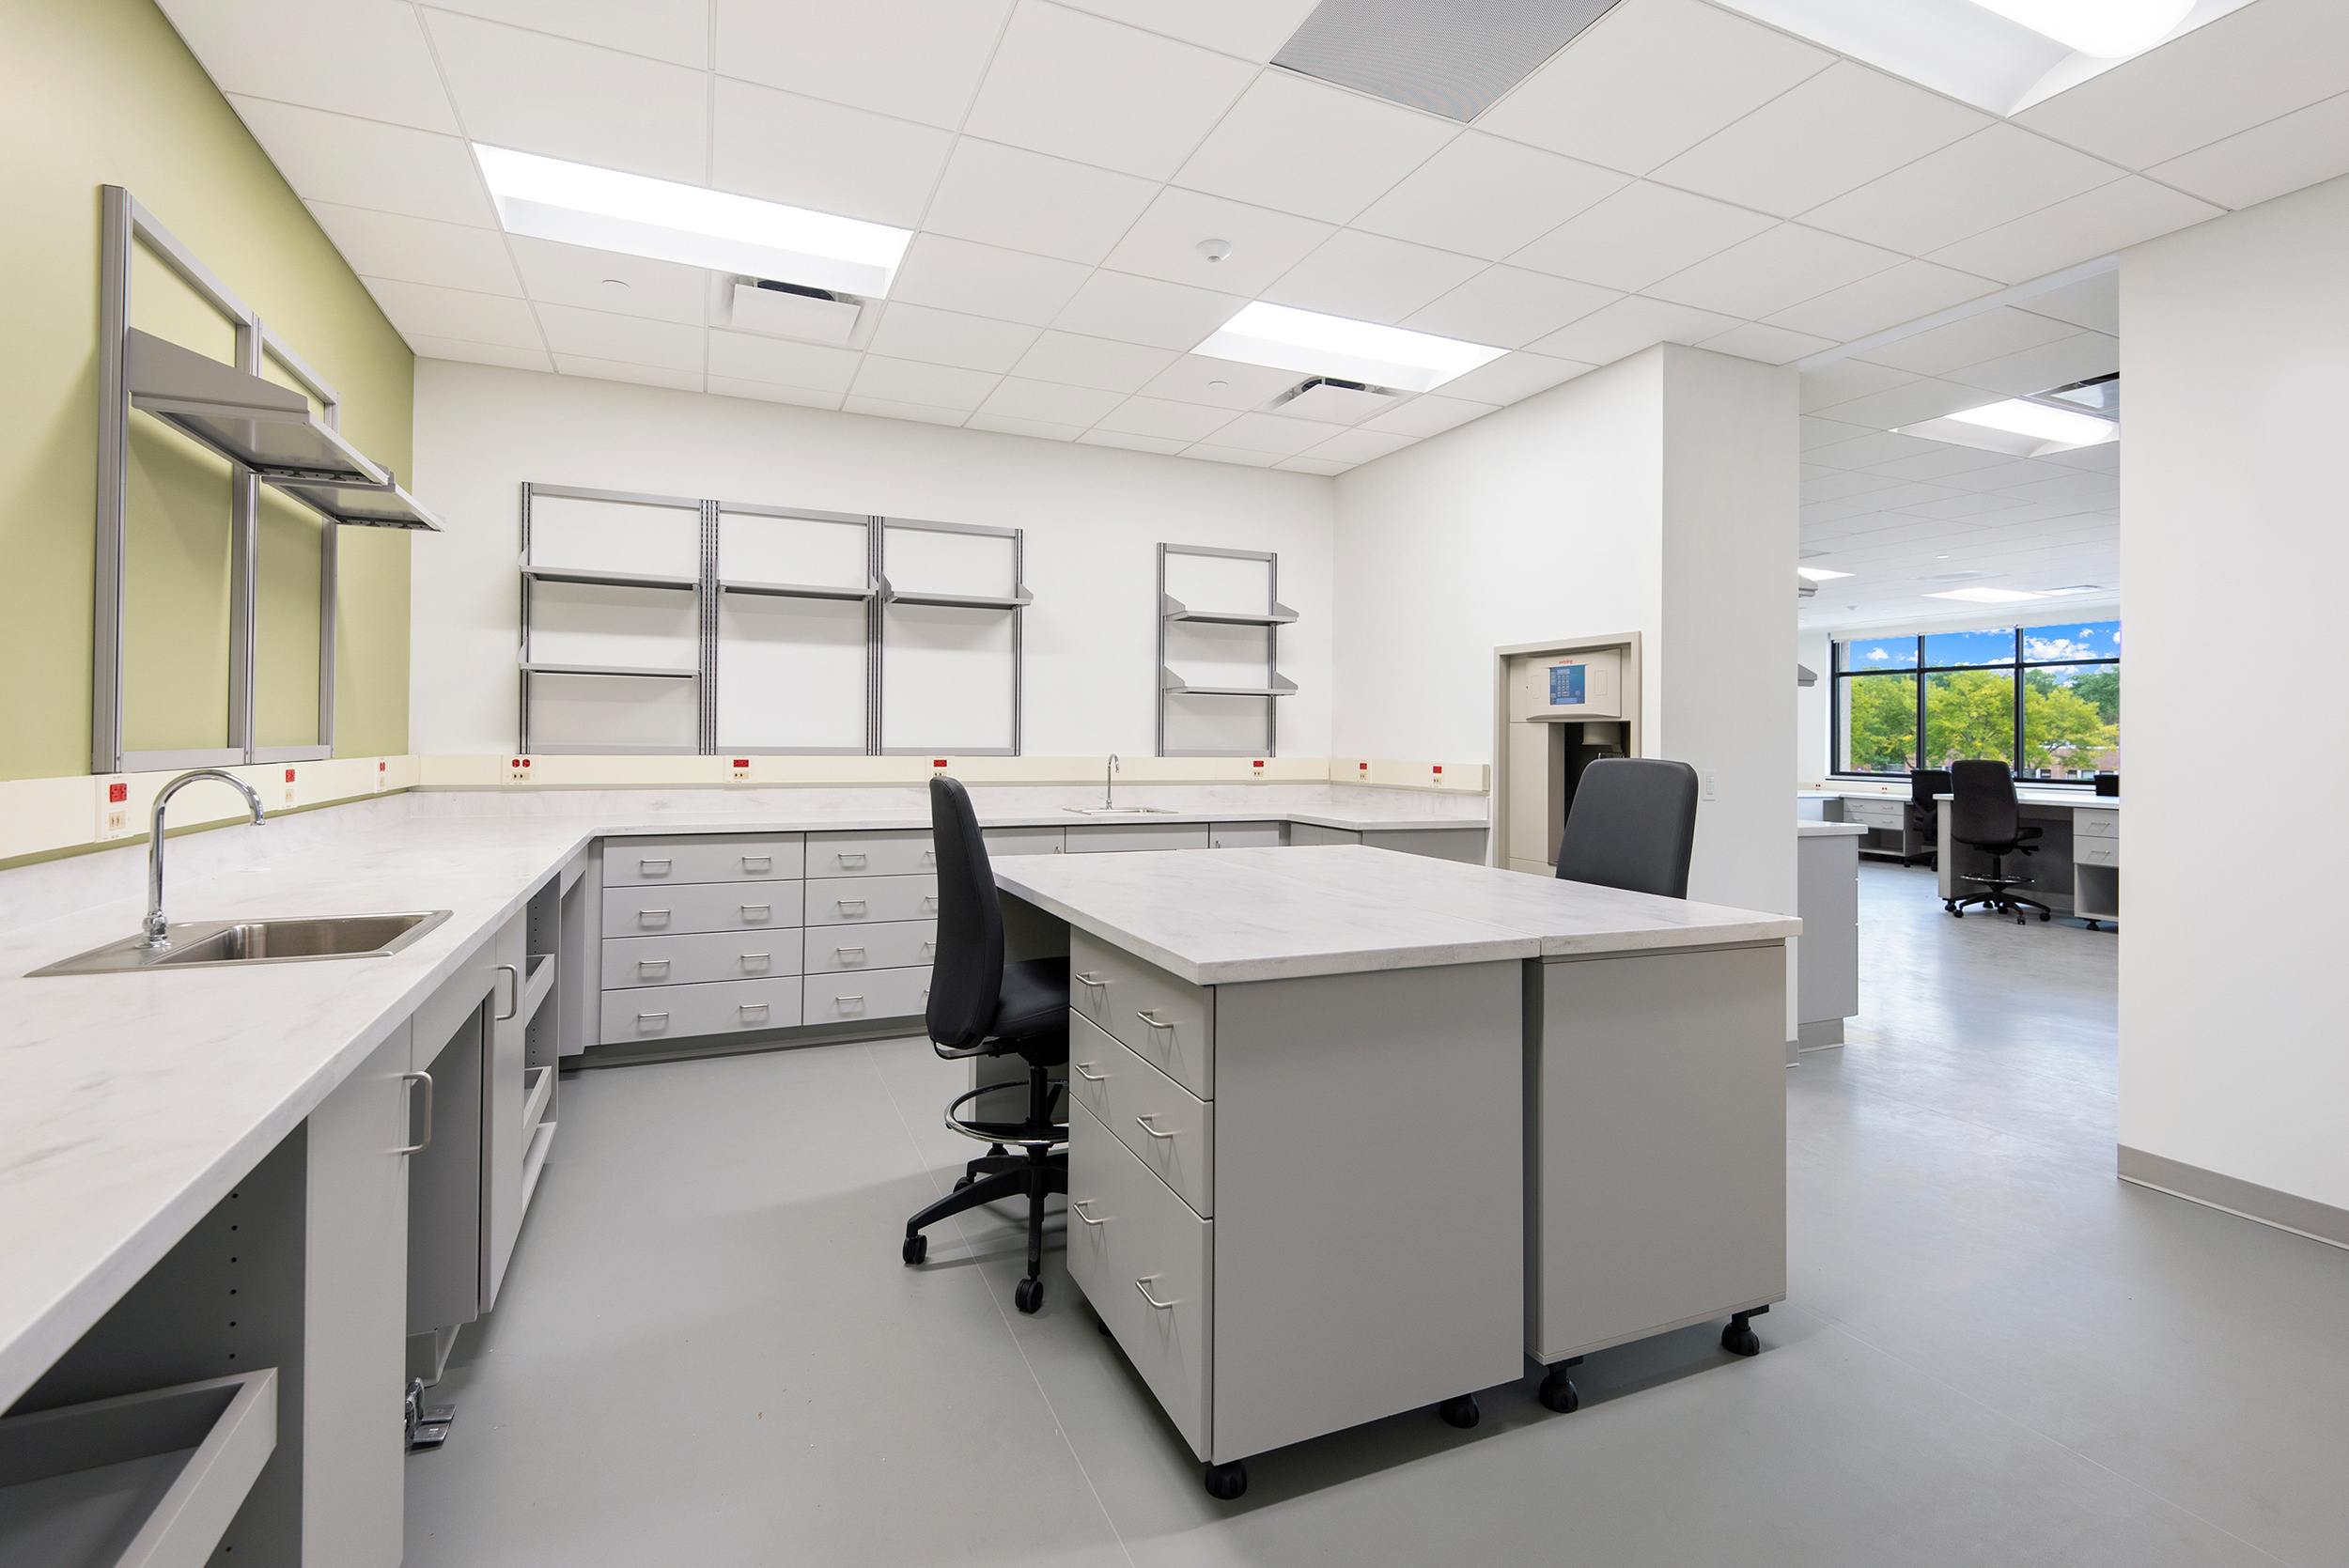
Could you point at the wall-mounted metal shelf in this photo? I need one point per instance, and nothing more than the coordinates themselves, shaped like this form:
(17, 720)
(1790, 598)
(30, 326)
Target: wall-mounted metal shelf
(956, 601)
(1175, 686)
(797, 590)
(608, 579)
(1174, 609)
(1174, 615)
(648, 672)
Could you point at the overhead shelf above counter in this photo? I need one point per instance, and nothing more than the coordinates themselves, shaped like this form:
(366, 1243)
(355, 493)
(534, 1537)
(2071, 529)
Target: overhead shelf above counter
(1174, 609)
(596, 577)
(892, 595)
(799, 590)
(1175, 686)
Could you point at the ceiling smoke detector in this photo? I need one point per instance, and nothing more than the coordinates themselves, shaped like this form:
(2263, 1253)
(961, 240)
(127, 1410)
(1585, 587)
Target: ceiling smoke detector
(1215, 250)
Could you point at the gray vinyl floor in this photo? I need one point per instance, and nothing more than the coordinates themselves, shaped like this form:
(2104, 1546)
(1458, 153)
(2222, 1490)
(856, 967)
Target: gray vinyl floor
(709, 1354)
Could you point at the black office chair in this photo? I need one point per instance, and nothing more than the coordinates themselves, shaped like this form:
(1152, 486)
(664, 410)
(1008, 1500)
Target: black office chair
(1925, 812)
(982, 1006)
(1632, 825)
(1984, 815)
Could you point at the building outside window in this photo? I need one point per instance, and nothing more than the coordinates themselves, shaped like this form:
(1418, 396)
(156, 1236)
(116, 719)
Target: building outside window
(2043, 699)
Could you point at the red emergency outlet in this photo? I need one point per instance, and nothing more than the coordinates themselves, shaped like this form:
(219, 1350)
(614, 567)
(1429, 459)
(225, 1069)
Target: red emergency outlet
(290, 775)
(938, 762)
(116, 794)
(741, 762)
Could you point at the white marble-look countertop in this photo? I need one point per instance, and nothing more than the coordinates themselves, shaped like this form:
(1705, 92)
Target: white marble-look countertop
(2040, 796)
(1830, 830)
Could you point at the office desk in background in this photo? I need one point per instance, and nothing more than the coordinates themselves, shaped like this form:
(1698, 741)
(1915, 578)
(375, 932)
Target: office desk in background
(2077, 868)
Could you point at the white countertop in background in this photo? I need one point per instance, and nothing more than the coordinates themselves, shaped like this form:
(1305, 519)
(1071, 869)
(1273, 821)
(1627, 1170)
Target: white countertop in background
(1830, 830)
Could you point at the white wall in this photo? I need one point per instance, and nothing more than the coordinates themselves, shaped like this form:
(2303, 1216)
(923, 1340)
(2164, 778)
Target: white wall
(1817, 650)
(1657, 495)
(1094, 516)
(2235, 342)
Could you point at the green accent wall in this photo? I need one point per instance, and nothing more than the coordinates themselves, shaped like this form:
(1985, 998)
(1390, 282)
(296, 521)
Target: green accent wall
(102, 92)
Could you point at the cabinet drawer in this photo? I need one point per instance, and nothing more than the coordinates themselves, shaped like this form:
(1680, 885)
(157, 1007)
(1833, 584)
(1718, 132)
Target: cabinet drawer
(1876, 813)
(900, 852)
(862, 900)
(640, 911)
(2096, 851)
(680, 1012)
(901, 944)
(1128, 1234)
(1247, 835)
(2096, 824)
(699, 959)
(703, 858)
(1138, 835)
(878, 994)
(1169, 1128)
(1169, 1023)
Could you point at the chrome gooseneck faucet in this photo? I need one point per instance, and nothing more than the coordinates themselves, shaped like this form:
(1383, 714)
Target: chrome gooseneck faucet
(156, 925)
(1109, 783)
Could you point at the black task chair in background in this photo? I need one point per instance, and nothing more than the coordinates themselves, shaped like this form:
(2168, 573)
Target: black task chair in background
(1984, 816)
(1632, 825)
(1925, 812)
(982, 1006)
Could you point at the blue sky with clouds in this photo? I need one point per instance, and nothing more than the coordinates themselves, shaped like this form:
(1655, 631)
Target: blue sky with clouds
(1987, 646)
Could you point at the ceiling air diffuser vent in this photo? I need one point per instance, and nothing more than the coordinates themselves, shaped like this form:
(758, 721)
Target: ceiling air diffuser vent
(1453, 60)
(795, 310)
(1339, 402)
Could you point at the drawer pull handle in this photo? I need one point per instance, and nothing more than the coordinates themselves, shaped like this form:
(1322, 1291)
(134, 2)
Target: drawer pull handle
(644, 1020)
(758, 862)
(1144, 1121)
(849, 906)
(930, 950)
(929, 901)
(857, 859)
(764, 960)
(661, 965)
(849, 1002)
(1089, 1077)
(645, 868)
(746, 1009)
(1077, 1207)
(1153, 1023)
(418, 1146)
(1142, 1285)
(645, 917)
(930, 855)
(843, 954)
(1093, 980)
(764, 911)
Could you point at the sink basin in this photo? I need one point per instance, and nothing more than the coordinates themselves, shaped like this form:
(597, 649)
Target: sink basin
(215, 943)
(1121, 811)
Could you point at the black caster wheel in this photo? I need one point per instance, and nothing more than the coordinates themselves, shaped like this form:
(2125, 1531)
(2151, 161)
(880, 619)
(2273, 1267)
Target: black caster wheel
(2043, 914)
(2022, 920)
(1740, 1341)
(916, 1249)
(1559, 1394)
(1460, 1412)
(1959, 913)
(1029, 1296)
(1227, 1482)
(1102, 1323)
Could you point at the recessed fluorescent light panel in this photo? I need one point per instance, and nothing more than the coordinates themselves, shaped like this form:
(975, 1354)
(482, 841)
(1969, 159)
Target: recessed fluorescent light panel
(2017, 417)
(1289, 339)
(2100, 29)
(1985, 595)
(1451, 60)
(578, 205)
(1819, 574)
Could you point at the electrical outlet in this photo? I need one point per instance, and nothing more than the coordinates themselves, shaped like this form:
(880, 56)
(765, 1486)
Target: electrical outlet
(742, 770)
(114, 809)
(288, 798)
(1259, 765)
(938, 765)
(517, 770)
(1711, 780)
(1435, 775)
(382, 774)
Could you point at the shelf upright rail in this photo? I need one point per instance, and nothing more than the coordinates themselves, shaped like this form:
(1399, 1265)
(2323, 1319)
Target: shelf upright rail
(1014, 604)
(1174, 612)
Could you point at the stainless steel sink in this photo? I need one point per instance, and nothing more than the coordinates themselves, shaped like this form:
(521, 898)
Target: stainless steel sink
(216, 943)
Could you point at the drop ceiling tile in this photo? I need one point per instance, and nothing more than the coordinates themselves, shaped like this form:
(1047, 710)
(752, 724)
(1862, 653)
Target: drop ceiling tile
(1025, 201)
(1155, 416)
(1951, 465)
(1865, 451)
(1488, 196)
(1369, 277)
(1250, 29)
(1846, 485)
(915, 59)
(2077, 491)
(1131, 441)
(745, 356)
(1265, 243)
(986, 280)
(1936, 350)
(1641, 233)
(1049, 401)
(1513, 377)
(1078, 87)
(272, 48)
(2059, 364)
(668, 344)
(1816, 432)
(456, 313)
(948, 338)
(1243, 456)
(1958, 507)
(2241, 70)
(1322, 466)
(2287, 153)
(767, 392)
(565, 100)
(576, 275)
(1276, 433)
(1300, 145)
(1900, 498)
(2103, 459)
(1361, 447)
(1649, 81)
(1508, 306)
(1629, 325)
(1920, 399)
(886, 408)
(624, 370)
(1765, 345)
(1779, 267)
(417, 250)
(1008, 425)
(936, 386)
(478, 353)
(805, 152)
(1845, 379)
(1815, 514)
(672, 30)
(1092, 362)
(1883, 300)
(357, 163)
(2093, 303)
(1991, 178)
(2097, 222)
(1220, 384)
(1431, 413)
(1145, 310)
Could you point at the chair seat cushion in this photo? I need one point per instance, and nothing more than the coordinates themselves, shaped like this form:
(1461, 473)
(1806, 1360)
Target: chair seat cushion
(1035, 1000)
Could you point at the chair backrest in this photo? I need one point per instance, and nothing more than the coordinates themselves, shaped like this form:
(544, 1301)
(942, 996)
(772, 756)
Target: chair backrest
(1923, 784)
(1632, 825)
(1982, 805)
(967, 975)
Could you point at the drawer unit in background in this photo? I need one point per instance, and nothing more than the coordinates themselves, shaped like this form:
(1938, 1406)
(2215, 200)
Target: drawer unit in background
(1169, 1128)
(1025, 841)
(2095, 851)
(899, 944)
(1093, 838)
(1247, 835)
(2096, 824)
(1169, 1023)
(861, 900)
(1887, 813)
(698, 959)
(845, 996)
(900, 852)
(703, 858)
(647, 911)
(680, 1012)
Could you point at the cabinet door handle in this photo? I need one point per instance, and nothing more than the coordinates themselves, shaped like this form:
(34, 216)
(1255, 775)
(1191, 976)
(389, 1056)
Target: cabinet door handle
(743, 1013)
(847, 905)
(645, 917)
(1142, 1285)
(1153, 1023)
(853, 861)
(516, 976)
(659, 963)
(764, 960)
(1144, 1121)
(1077, 1207)
(765, 911)
(758, 862)
(418, 1146)
(645, 868)
(842, 954)
(1089, 1077)
(643, 1019)
(849, 1002)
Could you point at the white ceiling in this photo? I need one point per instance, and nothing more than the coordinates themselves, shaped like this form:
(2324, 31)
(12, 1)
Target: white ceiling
(1679, 173)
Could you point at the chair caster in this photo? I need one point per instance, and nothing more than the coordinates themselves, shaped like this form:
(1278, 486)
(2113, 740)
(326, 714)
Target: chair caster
(962, 1183)
(1462, 1411)
(916, 1249)
(2043, 914)
(1102, 1323)
(1739, 1339)
(1227, 1482)
(1959, 913)
(1559, 1393)
(1029, 1296)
